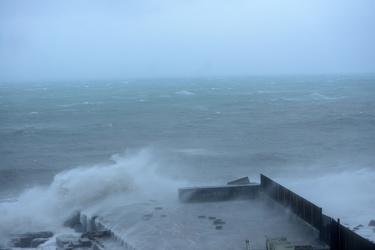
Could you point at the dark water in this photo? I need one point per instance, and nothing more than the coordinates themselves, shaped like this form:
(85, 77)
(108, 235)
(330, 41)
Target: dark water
(201, 131)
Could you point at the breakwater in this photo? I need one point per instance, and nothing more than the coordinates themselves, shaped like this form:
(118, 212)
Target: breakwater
(205, 213)
(330, 231)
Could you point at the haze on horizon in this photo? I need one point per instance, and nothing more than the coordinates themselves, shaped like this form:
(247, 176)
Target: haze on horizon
(70, 40)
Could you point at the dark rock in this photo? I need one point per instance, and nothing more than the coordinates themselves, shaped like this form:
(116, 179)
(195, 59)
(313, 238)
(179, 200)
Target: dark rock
(86, 242)
(64, 240)
(219, 227)
(163, 215)
(78, 228)
(21, 242)
(358, 227)
(45, 234)
(92, 223)
(218, 222)
(85, 235)
(71, 246)
(212, 218)
(96, 234)
(100, 234)
(147, 216)
(201, 216)
(372, 223)
(39, 241)
(25, 240)
(73, 220)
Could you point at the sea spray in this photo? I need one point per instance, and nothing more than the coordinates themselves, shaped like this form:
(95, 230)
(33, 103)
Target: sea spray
(129, 178)
(347, 195)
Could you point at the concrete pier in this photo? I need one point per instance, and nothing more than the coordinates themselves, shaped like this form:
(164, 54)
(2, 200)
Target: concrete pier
(240, 215)
(211, 225)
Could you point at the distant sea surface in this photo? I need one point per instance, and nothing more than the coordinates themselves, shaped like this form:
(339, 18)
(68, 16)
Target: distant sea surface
(313, 134)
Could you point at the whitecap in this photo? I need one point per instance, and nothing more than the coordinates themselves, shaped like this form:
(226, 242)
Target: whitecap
(184, 92)
(318, 96)
(196, 151)
(69, 105)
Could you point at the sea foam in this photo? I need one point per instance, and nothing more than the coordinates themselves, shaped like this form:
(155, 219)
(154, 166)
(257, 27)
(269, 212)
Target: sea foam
(129, 178)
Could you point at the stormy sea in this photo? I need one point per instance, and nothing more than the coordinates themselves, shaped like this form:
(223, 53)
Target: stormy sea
(68, 146)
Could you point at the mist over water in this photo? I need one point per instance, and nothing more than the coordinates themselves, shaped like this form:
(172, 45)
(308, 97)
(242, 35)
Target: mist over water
(62, 145)
(346, 195)
(129, 178)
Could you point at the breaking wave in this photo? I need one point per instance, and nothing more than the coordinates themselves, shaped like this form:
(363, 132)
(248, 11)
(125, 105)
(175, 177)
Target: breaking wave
(129, 178)
(184, 92)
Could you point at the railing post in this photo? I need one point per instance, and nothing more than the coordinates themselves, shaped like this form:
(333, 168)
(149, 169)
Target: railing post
(338, 233)
(320, 224)
(248, 246)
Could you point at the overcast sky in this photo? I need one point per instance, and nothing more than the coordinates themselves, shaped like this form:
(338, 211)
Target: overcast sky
(61, 40)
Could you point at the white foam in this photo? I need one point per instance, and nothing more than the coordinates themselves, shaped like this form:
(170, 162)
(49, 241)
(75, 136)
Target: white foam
(130, 178)
(78, 104)
(196, 151)
(184, 92)
(318, 96)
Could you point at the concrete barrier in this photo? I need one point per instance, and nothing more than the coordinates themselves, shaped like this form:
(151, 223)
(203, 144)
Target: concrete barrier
(218, 193)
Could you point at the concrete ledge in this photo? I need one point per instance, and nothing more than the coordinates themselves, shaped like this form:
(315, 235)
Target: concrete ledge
(219, 193)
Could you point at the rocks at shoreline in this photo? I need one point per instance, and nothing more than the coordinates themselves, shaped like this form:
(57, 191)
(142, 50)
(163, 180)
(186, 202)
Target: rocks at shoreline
(85, 241)
(5, 248)
(74, 222)
(372, 223)
(68, 241)
(31, 240)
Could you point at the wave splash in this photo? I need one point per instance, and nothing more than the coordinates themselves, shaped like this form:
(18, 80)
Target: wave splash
(129, 178)
(346, 195)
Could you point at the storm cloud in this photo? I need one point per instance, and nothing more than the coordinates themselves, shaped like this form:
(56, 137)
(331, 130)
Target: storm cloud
(67, 40)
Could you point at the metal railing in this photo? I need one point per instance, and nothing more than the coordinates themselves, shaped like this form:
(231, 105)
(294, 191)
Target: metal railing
(331, 232)
(301, 207)
(344, 238)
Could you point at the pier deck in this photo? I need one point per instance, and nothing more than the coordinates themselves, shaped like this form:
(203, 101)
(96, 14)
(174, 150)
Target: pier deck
(209, 225)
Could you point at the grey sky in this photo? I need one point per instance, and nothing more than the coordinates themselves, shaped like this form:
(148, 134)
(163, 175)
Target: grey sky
(60, 40)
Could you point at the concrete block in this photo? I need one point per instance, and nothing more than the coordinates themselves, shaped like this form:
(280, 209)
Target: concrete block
(38, 241)
(220, 193)
(73, 219)
(25, 240)
(86, 242)
(241, 181)
(372, 223)
(65, 240)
